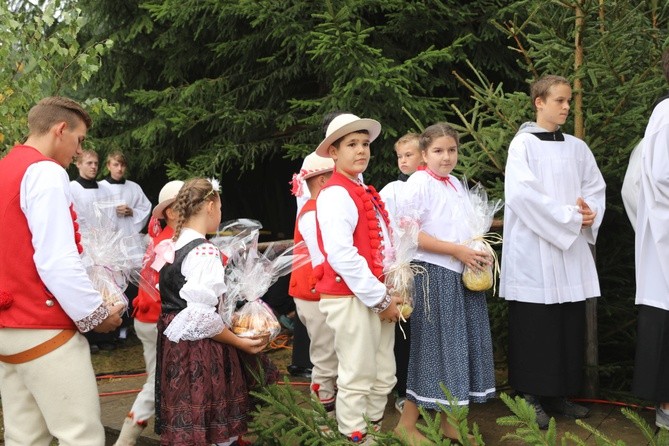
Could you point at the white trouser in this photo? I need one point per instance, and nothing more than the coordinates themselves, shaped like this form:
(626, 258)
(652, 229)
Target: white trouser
(321, 347)
(144, 406)
(54, 395)
(366, 372)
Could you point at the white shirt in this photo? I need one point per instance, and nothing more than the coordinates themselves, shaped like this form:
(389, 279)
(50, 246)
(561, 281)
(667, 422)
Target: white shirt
(440, 209)
(546, 256)
(307, 227)
(45, 199)
(337, 218)
(130, 194)
(204, 273)
(652, 225)
(390, 195)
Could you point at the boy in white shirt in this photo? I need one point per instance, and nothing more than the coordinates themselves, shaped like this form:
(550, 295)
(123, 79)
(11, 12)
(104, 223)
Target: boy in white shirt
(353, 229)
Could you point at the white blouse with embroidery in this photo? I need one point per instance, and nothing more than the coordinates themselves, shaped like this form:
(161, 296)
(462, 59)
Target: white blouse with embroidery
(204, 273)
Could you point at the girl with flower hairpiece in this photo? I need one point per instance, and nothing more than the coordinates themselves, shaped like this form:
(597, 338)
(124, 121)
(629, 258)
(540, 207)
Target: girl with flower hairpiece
(202, 368)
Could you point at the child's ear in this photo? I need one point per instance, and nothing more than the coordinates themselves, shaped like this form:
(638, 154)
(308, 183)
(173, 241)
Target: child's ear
(332, 150)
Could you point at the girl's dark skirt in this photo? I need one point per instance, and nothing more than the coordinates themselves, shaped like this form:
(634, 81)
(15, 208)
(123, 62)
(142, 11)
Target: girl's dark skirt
(546, 348)
(450, 342)
(651, 365)
(202, 389)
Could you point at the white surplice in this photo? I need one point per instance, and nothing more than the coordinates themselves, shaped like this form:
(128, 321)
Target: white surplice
(652, 225)
(546, 257)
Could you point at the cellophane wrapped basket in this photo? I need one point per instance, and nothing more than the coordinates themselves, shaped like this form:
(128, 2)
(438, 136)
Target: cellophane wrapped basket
(249, 274)
(111, 258)
(398, 271)
(479, 216)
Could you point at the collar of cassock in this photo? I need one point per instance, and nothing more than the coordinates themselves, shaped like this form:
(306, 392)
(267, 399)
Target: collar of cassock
(87, 184)
(550, 136)
(110, 180)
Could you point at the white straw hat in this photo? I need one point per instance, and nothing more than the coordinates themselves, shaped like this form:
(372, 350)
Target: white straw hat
(166, 197)
(344, 124)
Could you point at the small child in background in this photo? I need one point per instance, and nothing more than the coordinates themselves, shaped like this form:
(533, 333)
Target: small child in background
(146, 313)
(409, 158)
(201, 375)
(450, 331)
(353, 231)
(316, 171)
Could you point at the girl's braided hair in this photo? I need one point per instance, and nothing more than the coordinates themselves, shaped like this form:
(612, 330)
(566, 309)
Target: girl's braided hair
(190, 200)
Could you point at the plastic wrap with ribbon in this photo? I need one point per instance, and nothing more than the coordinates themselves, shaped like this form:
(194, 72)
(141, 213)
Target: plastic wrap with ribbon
(479, 216)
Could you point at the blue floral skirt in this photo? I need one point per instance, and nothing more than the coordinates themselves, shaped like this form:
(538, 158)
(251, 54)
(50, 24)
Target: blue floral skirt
(450, 341)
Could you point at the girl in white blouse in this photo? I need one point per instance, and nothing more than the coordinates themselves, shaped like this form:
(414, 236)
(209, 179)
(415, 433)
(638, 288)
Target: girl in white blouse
(202, 366)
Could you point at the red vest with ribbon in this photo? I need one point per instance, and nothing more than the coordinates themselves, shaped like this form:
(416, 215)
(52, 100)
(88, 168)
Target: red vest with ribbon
(302, 281)
(367, 236)
(147, 303)
(25, 302)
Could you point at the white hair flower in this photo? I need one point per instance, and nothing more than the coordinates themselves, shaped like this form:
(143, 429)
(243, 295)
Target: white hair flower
(215, 184)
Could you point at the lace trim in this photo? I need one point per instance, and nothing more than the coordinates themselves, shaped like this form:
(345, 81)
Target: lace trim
(93, 320)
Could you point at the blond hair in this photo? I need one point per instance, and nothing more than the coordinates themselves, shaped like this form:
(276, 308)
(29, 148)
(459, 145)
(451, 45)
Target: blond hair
(541, 87)
(52, 110)
(437, 131)
(85, 153)
(410, 137)
(117, 155)
(191, 198)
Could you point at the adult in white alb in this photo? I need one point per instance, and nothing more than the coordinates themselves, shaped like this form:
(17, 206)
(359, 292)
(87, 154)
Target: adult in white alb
(132, 207)
(651, 368)
(86, 191)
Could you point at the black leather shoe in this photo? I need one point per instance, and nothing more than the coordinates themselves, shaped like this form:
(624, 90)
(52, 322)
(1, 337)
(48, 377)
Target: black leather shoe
(302, 372)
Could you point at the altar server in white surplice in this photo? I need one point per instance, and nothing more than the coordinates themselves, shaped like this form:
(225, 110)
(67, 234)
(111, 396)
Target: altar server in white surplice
(555, 201)
(651, 367)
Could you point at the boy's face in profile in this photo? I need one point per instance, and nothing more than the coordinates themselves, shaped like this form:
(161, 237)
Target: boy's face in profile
(116, 169)
(352, 156)
(553, 111)
(408, 157)
(69, 141)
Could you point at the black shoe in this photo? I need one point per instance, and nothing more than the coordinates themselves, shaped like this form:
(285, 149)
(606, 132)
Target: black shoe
(302, 372)
(565, 407)
(94, 349)
(541, 415)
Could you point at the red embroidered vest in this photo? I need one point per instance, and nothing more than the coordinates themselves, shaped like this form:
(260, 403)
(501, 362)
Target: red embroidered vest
(25, 302)
(367, 236)
(302, 281)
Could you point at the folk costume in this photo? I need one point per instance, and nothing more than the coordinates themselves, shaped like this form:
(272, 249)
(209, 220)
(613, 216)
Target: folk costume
(45, 297)
(548, 270)
(652, 262)
(450, 329)
(302, 287)
(202, 385)
(353, 229)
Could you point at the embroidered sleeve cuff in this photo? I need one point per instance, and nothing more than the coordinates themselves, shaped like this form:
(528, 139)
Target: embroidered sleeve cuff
(382, 305)
(93, 320)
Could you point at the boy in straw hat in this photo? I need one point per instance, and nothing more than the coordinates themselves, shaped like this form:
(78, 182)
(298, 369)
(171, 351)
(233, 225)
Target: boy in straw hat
(146, 313)
(353, 231)
(316, 171)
